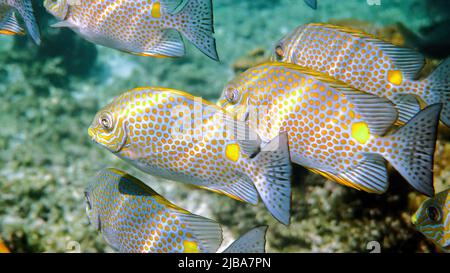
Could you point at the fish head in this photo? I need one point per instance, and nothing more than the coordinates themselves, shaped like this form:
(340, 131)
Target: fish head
(283, 49)
(108, 127)
(236, 95)
(433, 219)
(58, 8)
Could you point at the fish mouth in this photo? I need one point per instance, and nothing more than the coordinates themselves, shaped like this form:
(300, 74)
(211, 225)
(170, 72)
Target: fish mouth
(91, 134)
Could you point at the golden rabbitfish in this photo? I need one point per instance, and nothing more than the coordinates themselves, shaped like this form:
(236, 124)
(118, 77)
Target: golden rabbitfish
(172, 134)
(141, 27)
(8, 20)
(369, 64)
(433, 219)
(135, 219)
(333, 129)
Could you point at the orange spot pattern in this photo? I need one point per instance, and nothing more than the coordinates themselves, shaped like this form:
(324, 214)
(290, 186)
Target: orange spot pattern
(125, 25)
(174, 135)
(352, 58)
(141, 220)
(317, 117)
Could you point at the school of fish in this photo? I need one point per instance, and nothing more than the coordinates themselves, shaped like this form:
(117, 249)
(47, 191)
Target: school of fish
(340, 102)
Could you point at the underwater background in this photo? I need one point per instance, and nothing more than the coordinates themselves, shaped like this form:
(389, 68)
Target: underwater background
(49, 95)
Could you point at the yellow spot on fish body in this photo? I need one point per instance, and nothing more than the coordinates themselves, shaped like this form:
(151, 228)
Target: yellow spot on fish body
(190, 247)
(360, 132)
(156, 10)
(395, 77)
(232, 152)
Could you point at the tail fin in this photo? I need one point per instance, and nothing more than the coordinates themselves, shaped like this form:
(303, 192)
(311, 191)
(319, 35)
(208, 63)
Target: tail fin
(199, 28)
(439, 84)
(254, 241)
(413, 149)
(25, 9)
(311, 3)
(273, 177)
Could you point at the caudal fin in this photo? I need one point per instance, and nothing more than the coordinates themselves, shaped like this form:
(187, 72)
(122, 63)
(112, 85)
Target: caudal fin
(273, 177)
(413, 148)
(254, 241)
(25, 9)
(311, 3)
(199, 28)
(439, 84)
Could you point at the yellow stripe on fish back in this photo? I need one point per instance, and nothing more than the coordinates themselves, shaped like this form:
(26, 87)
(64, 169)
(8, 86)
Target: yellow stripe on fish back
(352, 31)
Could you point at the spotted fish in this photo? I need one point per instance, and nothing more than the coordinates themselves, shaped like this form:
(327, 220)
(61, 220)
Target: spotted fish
(8, 20)
(369, 64)
(141, 27)
(433, 219)
(135, 219)
(172, 134)
(333, 129)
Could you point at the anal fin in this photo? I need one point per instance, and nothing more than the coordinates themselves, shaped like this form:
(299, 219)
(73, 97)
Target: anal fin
(369, 175)
(169, 45)
(10, 26)
(408, 106)
(241, 189)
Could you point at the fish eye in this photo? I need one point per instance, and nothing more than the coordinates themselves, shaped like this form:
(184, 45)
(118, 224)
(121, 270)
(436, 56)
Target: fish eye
(105, 121)
(434, 214)
(279, 51)
(232, 95)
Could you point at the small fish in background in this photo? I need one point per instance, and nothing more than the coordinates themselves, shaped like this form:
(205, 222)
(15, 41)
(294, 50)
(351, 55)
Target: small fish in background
(334, 130)
(369, 64)
(433, 41)
(135, 219)
(3, 248)
(311, 3)
(9, 24)
(174, 135)
(141, 27)
(432, 219)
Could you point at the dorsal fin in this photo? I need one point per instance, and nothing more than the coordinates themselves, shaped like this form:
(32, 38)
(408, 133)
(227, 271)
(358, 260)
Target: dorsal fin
(149, 191)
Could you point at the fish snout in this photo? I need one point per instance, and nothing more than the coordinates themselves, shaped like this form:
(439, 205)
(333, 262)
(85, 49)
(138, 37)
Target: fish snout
(91, 134)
